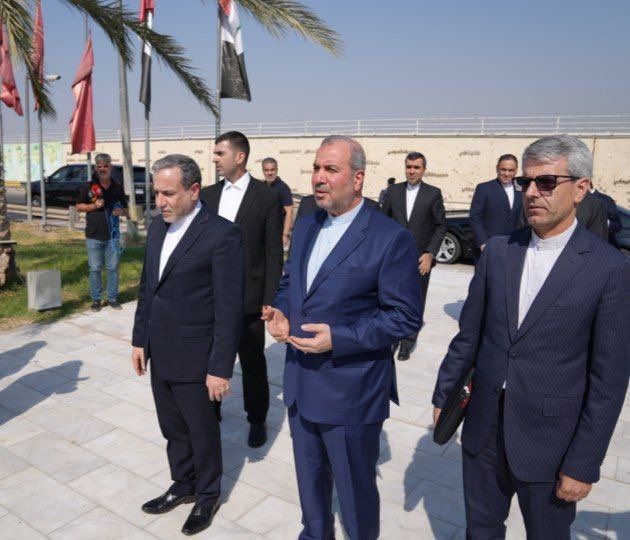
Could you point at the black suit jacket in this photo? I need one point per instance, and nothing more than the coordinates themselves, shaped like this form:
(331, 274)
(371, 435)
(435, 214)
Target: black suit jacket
(428, 217)
(259, 219)
(593, 214)
(189, 321)
(308, 205)
(614, 221)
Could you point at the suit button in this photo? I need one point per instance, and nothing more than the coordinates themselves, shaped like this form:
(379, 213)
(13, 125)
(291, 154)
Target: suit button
(498, 390)
(513, 355)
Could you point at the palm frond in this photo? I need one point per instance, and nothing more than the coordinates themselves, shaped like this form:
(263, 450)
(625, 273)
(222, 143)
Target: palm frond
(280, 16)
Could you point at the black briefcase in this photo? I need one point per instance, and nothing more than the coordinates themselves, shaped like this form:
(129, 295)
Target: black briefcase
(454, 410)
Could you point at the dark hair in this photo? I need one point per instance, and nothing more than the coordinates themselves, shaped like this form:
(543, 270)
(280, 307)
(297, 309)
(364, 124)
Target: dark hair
(391, 181)
(237, 141)
(413, 156)
(269, 160)
(506, 157)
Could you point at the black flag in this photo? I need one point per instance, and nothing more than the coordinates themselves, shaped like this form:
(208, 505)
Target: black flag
(234, 82)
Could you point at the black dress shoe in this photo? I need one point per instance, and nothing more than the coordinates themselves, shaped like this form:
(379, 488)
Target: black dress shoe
(257, 434)
(166, 502)
(404, 353)
(200, 518)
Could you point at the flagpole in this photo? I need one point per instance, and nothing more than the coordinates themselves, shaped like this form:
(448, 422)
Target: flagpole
(217, 98)
(42, 180)
(27, 119)
(89, 154)
(147, 144)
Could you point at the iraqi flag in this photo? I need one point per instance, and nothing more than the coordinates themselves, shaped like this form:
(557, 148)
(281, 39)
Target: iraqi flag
(38, 48)
(9, 94)
(147, 8)
(82, 122)
(234, 82)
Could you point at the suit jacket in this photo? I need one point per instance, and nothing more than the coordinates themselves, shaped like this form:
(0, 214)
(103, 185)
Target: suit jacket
(566, 368)
(428, 218)
(593, 214)
(614, 222)
(368, 292)
(189, 321)
(490, 212)
(259, 218)
(308, 205)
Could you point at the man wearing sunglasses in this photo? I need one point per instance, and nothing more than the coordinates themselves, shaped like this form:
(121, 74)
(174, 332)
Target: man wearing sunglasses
(545, 325)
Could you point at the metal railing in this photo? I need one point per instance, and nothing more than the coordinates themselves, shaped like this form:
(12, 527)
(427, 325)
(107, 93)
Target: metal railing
(613, 124)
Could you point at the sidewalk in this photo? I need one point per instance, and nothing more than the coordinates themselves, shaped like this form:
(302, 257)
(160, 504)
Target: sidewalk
(80, 448)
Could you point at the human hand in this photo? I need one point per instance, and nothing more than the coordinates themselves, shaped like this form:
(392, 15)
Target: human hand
(118, 212)
(424, 266)
(277, 324)
(99, 203)
(571, 490)
(138, 361)
(482, 247)
(286, 238)
(322, 342)
(436, 415)
(217, 387)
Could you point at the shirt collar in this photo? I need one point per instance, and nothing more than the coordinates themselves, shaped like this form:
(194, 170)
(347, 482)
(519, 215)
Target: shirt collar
(411, 187)
(186, 220)
(241, 184)
(555, 242)
(344, 219)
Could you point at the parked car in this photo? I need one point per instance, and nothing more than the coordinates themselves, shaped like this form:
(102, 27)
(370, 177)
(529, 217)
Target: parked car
(458, 241)
(64, 185)
(623, 236)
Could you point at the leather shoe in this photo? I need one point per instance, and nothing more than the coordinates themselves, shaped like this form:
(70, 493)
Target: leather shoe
(166, 502)
(404, 352)
(257, 435)
(200, 518)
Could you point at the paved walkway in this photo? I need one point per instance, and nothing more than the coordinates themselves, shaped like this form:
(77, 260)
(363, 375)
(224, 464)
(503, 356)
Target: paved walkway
(80, 448)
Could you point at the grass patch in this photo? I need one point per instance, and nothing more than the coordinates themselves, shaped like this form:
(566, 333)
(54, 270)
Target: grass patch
(65, 251)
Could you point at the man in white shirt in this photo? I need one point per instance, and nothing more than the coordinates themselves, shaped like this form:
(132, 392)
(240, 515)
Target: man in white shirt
(188, 323)
(545, 327)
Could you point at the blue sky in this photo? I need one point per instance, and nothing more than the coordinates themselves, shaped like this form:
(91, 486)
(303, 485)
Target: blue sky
(404, 58)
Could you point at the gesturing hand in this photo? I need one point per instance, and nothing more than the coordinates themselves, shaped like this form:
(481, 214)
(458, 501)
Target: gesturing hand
(217, 387)
(571, 490)
(322, 342)
(277, 324)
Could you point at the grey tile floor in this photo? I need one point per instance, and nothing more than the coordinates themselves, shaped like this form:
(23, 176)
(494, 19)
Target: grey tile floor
(80, 448)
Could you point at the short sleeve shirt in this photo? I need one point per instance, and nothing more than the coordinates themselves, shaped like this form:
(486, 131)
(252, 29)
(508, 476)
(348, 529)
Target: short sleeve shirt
(96, 222)
(284, 192)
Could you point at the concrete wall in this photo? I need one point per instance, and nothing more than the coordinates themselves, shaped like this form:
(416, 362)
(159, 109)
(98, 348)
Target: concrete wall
(455, 163)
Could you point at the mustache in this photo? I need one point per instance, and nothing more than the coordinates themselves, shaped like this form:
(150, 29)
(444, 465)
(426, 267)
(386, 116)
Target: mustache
(322, 187)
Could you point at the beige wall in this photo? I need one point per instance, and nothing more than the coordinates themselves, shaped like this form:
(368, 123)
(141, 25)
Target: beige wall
(455, 163)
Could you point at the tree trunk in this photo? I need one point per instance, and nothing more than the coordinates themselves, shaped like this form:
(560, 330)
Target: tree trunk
(8, 271)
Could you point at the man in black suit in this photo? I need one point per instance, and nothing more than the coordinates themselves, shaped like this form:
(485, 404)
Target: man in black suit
(593, 214)
(255, 207)
(418, 207)
(188, 323)
(614, 221)
(308, 205)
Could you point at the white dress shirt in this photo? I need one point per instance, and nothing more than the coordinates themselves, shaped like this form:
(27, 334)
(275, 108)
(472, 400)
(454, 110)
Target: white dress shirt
(232, 197)
(412, 195)
(174, 234)
(509, 191)
(329, 235)
(540, 257)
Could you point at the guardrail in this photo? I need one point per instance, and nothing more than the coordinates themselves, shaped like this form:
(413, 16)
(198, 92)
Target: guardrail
(587, 125)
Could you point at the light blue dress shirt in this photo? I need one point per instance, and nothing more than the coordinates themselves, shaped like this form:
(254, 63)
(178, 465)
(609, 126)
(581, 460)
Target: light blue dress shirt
(329, 235)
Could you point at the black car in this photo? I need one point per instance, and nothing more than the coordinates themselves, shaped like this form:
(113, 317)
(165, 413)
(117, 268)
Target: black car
(458, 242)
(64, 185)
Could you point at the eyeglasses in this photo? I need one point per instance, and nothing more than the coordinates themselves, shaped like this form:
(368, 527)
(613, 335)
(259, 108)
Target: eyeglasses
(544, 182)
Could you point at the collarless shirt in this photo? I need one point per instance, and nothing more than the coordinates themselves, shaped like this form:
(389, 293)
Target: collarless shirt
(232, 197)
(509, 191)
(329, 235)
(412, 195)
(175, 233)
(540, 257)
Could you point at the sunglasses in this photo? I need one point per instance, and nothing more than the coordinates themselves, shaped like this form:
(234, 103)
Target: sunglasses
(544, 182)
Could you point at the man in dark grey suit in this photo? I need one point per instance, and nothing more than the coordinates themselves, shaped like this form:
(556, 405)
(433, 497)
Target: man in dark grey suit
(419, 207)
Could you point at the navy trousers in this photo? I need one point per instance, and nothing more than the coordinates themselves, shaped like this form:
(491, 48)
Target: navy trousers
(489, 486)
(346, 455)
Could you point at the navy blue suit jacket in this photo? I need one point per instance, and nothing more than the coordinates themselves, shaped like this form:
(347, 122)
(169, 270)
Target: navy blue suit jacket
(189, 321)
(367, 290)
(490, 212)
(566, 368)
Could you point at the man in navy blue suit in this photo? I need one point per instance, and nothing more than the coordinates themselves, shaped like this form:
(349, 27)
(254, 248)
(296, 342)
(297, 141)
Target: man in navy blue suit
(545, 326)
(349, 291)
(495, 207)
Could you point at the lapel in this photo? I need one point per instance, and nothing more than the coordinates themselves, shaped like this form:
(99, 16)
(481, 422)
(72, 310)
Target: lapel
(503, 196)
(416, 204)
(346, 245)
(154, 246)
(249, 197)
(311, 237)
(402, 201)
(517, 247)
(189, 238)
(212, 196)
(567, 265)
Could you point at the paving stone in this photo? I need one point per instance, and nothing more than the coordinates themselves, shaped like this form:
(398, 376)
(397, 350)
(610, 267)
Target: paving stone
(102, 524)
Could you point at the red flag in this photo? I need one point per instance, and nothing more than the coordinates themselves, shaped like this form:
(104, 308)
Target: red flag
(38, 47)
(146, 5)
(9, 95)
(82, 122)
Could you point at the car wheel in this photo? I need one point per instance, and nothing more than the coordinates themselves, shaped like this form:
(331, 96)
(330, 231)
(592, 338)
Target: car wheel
(36, 201)
(450, 251)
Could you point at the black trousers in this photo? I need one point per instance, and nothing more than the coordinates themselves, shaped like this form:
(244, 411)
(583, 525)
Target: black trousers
(189, 423)
(251, 353)
(489, 486)
(410, 341)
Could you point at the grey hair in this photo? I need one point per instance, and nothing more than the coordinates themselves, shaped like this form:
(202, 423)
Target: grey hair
(190, 170)
(577, 154)
(357, 154)
(103, 157)
(270, 160)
